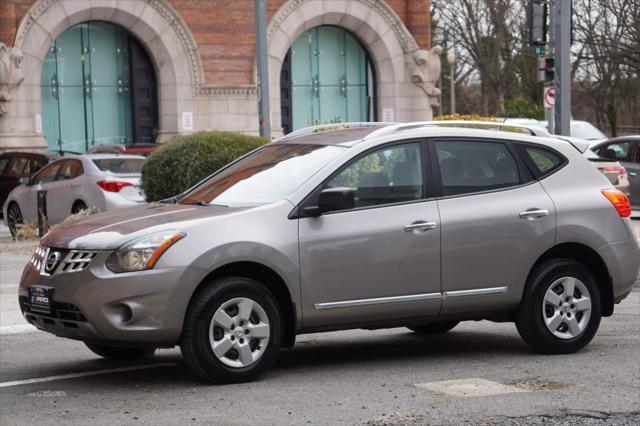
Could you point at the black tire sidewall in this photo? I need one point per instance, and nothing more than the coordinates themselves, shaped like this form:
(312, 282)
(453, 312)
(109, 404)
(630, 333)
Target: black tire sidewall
(530, 321)
(199, 320)
(13, 225)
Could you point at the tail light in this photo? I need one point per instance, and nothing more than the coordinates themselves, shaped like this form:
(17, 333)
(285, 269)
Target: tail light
(113, 185)
(620, 170)
(619, 201)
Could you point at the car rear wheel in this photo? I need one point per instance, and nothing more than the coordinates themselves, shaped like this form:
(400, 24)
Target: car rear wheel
(435, 327)
(560, 310)
(78, 206)
(14, 218)
(113, 352)
(233, 331)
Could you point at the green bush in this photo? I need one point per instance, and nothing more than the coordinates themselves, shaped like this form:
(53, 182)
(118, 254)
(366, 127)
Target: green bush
(185, 160)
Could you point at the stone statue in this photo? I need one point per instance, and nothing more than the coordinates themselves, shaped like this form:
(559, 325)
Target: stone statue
(424, 70)
(11, 74)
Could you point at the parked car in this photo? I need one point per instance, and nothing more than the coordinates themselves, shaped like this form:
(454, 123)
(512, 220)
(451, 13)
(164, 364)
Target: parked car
(76, 182)
(363, 226)
(582, 130)
(626, 150)
(16, 165)
(144, 149)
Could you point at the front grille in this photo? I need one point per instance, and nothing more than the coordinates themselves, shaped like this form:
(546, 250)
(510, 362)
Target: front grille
(59, 310)
(77, 261)
(50, 261)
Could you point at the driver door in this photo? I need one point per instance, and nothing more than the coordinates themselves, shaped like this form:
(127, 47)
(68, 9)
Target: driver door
(379, 261)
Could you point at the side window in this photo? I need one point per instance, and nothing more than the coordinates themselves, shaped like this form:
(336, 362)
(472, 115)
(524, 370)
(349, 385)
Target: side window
(388, 175)
(467, 167)
(543, 160)
(3, 163)
(48, 173)
(70, 169)
(619, 151)
(637, 160)
(17, 166)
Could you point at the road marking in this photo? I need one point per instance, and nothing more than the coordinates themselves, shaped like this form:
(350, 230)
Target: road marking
(17, 329)
(85, 373)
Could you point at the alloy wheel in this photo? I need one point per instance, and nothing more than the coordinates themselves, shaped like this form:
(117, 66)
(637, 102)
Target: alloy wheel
(566, 308)
(239, 332)
(14, 217)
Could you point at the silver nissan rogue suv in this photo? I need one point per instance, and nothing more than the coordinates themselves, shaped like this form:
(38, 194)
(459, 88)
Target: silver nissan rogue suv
(364, 225)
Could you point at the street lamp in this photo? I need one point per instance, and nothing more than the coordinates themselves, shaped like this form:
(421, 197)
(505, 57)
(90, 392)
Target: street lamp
(451, 60)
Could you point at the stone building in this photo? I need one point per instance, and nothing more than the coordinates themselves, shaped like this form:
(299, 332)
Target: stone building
(76, 73)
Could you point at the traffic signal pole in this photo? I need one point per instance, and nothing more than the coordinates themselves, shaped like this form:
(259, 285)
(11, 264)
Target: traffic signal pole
(561, 39)
(260, 8)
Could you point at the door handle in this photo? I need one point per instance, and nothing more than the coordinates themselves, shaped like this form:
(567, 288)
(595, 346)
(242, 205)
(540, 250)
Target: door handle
(419, 226)
(533, 214)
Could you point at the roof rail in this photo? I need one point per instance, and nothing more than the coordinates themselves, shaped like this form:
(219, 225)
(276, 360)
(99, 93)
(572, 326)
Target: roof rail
(488, 125)
(327, 128)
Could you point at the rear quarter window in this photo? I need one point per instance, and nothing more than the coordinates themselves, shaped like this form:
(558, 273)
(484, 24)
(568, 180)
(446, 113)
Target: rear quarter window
(543, 161)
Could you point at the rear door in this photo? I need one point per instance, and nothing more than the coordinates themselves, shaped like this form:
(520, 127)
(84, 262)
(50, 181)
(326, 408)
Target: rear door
(42, 180)
(496, 220)
(64, 192)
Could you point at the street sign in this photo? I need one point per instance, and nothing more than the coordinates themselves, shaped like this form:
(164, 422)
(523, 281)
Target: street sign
(549, 97)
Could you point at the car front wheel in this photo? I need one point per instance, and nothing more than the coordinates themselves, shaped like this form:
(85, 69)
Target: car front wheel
(14, 218)
(233, 331)
(561, 309)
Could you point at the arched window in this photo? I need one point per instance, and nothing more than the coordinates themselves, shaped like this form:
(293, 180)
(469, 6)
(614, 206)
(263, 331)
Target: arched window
(326, 77)
(98, 87)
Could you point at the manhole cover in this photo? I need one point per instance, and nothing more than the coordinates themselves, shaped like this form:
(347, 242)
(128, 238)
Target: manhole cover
(469, 387)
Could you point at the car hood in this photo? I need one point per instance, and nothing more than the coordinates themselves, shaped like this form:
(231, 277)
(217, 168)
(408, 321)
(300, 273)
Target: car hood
(112, 229)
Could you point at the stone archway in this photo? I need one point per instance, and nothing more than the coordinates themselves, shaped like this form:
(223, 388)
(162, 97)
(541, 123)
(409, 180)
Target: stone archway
(394, 52)
(153, 22)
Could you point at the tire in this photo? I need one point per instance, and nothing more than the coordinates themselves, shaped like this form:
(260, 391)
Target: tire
(78, 206)
(247, 332)
(113, 352)
(14, 217)
(562, 322)
(435, 327)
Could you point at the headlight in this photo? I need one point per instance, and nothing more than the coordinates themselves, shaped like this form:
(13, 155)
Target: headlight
(143, 253)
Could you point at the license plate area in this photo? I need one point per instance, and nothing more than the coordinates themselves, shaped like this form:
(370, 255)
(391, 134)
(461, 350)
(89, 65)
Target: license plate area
(41, 299)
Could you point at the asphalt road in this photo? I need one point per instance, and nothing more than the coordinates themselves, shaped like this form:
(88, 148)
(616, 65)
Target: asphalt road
(350, 377)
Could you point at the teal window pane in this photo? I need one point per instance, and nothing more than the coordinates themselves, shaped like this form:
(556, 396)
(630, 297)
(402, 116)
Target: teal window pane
(50, 116)
(70, 56)
(72, 122)
(329, 78)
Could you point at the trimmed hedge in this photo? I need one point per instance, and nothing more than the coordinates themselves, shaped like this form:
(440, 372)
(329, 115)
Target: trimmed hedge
(186, 160)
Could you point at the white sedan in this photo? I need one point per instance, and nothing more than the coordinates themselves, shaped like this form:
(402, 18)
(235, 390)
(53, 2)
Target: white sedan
(73, 183)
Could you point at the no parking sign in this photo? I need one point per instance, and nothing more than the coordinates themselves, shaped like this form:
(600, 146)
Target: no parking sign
(549, 97)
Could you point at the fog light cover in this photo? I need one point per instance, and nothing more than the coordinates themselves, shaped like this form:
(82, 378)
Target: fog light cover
(143, 253)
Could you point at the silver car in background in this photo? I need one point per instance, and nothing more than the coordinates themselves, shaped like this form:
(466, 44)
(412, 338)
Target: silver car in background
(76, 182)
(351, 226)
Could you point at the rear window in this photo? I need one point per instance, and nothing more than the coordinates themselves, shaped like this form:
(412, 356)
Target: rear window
(119, 165)
(543, 161)
(467, 167)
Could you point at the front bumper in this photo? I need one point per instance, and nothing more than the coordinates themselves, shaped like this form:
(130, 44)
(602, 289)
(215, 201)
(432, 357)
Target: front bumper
(135, 309)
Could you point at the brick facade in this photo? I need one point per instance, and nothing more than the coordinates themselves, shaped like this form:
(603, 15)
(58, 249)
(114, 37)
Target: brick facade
(205, 53)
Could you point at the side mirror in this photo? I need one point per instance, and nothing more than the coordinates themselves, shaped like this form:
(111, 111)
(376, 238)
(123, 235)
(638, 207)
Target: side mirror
(332, 199)
(25, 180)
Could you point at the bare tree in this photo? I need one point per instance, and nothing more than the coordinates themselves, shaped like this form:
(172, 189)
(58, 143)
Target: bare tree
(485, 33)
(607, 44)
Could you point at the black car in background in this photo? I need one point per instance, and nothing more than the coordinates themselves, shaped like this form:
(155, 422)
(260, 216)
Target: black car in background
(625, 149)
(16, 165)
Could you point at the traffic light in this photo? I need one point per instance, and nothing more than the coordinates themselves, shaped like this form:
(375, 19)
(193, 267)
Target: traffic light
(537, 11)
(546, 69)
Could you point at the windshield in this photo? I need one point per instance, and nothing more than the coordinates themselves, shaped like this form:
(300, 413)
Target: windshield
(119, 165)
(267, 175)
(586, 131)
